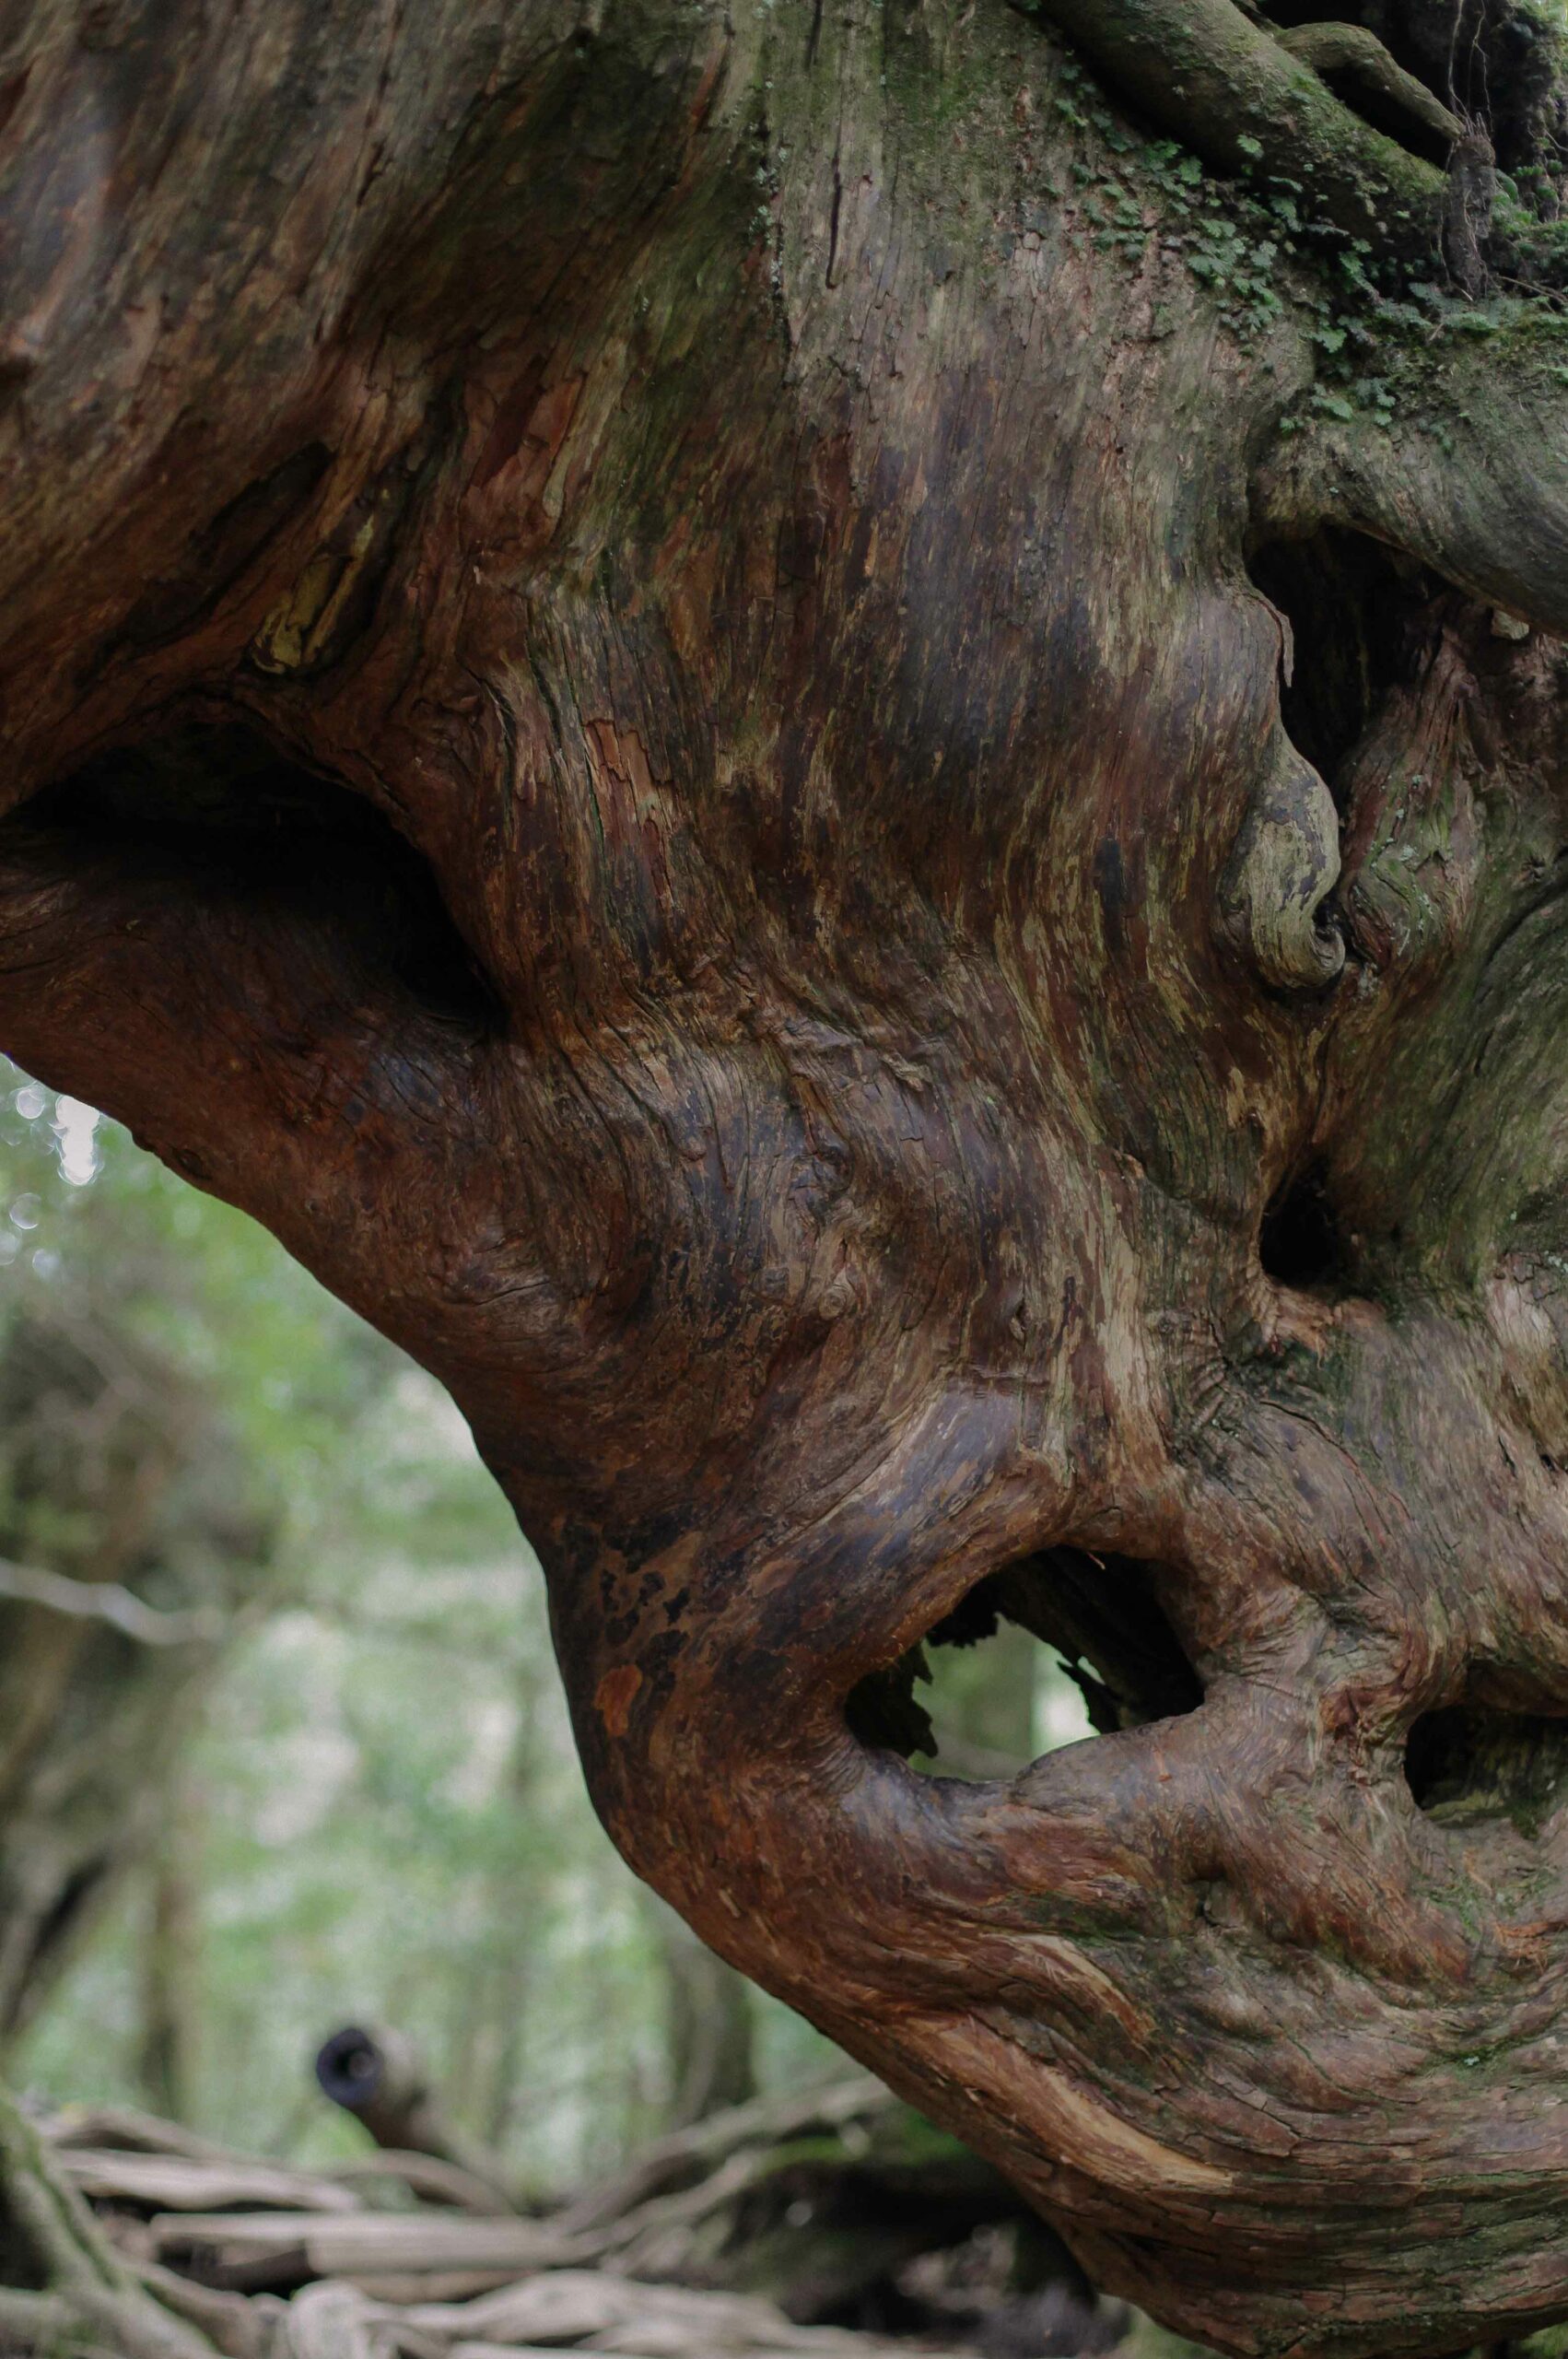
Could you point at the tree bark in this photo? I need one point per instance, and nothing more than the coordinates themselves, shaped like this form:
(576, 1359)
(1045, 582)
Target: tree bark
(849, 787)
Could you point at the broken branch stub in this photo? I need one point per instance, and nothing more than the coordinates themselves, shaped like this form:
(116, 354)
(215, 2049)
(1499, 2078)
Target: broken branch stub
(378, 2078)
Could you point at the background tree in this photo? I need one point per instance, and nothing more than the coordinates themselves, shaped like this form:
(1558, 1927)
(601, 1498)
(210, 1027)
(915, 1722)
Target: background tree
(149, 1428)
(134, 1536)
(835, 759)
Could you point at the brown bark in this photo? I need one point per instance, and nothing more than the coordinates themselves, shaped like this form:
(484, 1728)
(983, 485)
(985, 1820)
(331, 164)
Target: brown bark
(639, 716)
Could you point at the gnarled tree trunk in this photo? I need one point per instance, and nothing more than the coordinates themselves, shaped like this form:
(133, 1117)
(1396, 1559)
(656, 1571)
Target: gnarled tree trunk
(837, 762)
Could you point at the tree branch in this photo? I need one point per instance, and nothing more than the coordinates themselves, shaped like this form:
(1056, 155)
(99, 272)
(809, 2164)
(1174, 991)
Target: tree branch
(1470, 476)
(110, 1603)
(254, 1034)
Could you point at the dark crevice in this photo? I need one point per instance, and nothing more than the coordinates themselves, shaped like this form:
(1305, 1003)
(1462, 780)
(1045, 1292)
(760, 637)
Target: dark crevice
(1301, 1243)
(1360, 617)
(1469, 1764)
(221, 814)
(1100, 1616)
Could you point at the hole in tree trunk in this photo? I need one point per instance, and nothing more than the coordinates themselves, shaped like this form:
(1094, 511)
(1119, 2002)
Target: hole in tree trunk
(1472, 1762)
(1358, 615)
(214, 812)
(1300, 1243)
(1060, 1646)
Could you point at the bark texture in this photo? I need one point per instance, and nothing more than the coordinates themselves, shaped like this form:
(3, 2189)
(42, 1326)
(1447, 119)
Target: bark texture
(853, 793)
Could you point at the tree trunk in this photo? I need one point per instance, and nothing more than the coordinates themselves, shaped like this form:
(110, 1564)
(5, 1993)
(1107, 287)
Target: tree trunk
(170, 1935)
(115, 1483)
(835, 759)
(708, 2026)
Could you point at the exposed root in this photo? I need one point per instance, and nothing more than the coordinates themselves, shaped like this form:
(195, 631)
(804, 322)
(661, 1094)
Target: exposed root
(1226, 86)
(396, 2284)
(90, 2301)
(1358, 54)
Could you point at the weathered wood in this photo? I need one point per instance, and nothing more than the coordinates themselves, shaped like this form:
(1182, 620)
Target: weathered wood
(815, 2201)
(687, 2157)
(599, 2311)
(425, 2176)
(637, 714)
(294, 2245)
(398, 2297)
(172, 2183)
(108, 2134)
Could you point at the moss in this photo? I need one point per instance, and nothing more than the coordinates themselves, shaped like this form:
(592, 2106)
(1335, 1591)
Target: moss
(1207, 76)
(1549, 2342)
(1293, 203)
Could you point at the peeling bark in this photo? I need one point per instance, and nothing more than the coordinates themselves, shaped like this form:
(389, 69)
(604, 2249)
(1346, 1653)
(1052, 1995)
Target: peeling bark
(636, 713)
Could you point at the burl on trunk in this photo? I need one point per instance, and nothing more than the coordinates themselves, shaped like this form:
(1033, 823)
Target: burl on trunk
(825, 741)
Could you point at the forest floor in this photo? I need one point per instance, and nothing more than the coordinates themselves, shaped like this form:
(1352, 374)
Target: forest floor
(404, 2255)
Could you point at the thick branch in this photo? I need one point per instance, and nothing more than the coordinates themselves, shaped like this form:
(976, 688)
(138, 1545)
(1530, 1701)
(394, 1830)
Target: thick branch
(229, 1017)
